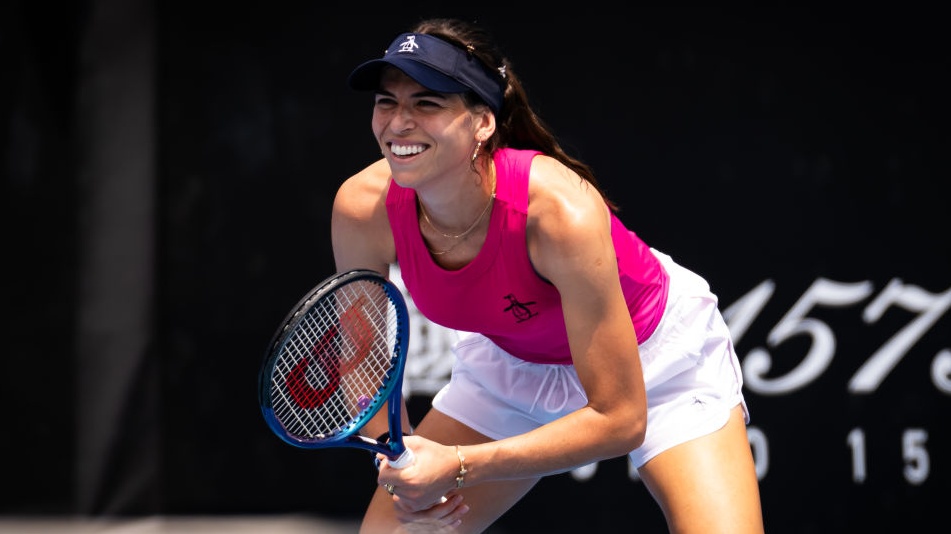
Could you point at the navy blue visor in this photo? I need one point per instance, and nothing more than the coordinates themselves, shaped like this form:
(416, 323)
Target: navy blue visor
(434, 64)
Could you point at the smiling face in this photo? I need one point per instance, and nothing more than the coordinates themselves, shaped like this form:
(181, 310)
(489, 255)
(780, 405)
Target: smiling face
(424, 134)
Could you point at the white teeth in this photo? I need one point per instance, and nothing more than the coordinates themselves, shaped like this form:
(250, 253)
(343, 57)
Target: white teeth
(406, 150)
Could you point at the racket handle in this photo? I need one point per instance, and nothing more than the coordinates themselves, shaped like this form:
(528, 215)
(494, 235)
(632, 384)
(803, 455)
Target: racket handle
(403, 460)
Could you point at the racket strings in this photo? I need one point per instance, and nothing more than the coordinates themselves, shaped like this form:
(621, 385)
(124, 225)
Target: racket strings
(336, 363)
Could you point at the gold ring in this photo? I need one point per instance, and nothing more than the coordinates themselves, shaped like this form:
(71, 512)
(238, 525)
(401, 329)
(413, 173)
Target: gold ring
(389, 488)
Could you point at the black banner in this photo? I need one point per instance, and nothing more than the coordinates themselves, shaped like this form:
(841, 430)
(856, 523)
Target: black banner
(796, 159)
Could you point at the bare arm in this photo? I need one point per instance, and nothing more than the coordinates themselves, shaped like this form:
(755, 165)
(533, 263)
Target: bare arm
(359, 228)
(362, 239)
(572, 247)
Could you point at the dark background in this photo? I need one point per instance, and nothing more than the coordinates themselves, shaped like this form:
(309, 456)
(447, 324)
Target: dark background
(168, 172)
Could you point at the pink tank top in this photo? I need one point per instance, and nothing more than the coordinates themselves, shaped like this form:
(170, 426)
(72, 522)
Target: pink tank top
(499, 294)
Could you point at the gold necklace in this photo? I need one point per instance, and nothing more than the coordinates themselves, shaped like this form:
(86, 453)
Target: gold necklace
(446, 251)
(463, 234)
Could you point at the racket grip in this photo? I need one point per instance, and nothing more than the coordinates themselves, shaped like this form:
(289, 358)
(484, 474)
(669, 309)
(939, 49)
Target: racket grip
(403, 460)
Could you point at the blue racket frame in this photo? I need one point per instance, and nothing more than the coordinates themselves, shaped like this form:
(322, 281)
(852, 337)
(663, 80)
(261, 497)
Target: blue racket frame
(390, 394)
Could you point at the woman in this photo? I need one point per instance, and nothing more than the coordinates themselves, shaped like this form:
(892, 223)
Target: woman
(587, 344)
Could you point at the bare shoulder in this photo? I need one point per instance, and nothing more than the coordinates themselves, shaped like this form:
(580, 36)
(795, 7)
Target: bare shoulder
(568, 222)
(558, 196)
(359, 225)
(361, 194)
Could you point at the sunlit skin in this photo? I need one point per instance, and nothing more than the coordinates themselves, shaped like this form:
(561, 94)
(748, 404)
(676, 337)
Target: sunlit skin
(427, 140)
(569, 242)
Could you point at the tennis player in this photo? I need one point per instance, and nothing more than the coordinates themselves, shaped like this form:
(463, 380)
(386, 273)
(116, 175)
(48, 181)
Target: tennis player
(587, 344)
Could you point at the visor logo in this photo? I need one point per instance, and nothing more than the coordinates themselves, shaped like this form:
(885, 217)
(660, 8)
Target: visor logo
(409, 45)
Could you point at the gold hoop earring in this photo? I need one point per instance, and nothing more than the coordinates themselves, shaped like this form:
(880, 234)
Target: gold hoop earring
(475, 153)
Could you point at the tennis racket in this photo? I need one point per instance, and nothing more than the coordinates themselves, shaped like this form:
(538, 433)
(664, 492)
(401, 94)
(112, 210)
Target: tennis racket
(337, 358)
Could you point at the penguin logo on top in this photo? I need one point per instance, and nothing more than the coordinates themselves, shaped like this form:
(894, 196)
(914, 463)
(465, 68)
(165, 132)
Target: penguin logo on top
(520, 310)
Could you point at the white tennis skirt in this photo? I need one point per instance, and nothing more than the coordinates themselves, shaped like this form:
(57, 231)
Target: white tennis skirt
(690, 368)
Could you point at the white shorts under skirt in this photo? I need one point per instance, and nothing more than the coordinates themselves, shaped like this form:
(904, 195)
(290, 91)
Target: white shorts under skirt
(690, 368)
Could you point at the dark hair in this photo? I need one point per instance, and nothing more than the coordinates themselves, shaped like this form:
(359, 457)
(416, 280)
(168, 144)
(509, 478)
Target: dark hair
(517, 124)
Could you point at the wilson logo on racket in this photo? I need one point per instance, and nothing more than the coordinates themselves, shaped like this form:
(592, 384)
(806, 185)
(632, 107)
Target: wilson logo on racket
(358, 329)
(335, 361)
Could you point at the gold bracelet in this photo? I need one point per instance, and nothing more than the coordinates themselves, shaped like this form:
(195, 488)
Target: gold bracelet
(461, 477)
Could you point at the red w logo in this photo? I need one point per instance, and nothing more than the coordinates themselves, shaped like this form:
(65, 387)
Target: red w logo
(358, 338)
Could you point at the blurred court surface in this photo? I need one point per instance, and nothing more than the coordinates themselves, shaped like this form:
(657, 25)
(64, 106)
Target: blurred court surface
(178, 525)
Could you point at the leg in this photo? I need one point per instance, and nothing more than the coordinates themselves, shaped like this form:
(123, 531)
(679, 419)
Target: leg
(708, 485)
(487, 502)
